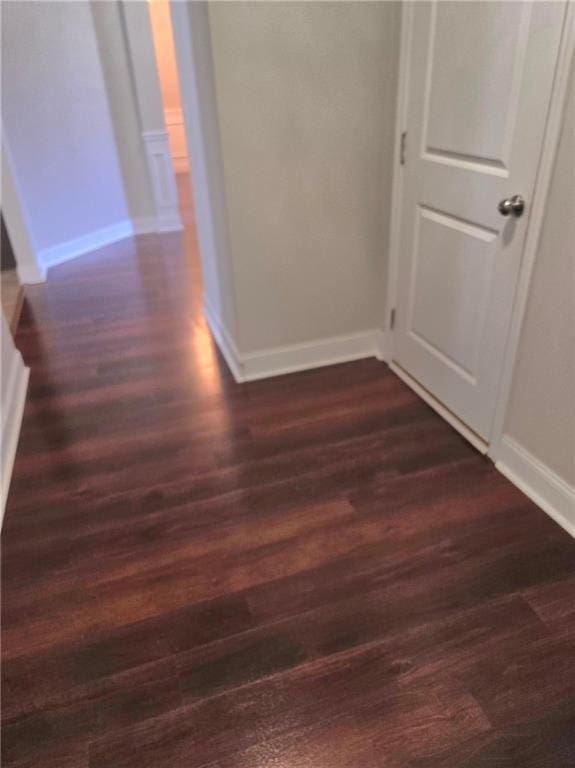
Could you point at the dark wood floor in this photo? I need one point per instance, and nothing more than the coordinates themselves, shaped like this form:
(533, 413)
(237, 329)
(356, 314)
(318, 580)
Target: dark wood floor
(313, 571)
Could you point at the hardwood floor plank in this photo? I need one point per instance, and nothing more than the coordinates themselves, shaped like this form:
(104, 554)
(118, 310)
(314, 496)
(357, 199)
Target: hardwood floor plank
(545, 741)
(309, 570)
(66, 728)
(357, 692)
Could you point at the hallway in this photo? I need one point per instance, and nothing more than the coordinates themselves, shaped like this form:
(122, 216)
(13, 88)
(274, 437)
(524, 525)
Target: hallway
(301, 571)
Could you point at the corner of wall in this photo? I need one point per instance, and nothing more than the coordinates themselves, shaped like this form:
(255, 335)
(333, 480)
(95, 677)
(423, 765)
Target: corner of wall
(537, 481)
(278, 361)
(224, 342)
(31, 274)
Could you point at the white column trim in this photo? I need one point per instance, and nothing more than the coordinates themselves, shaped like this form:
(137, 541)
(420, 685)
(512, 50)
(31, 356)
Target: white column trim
(163, 180)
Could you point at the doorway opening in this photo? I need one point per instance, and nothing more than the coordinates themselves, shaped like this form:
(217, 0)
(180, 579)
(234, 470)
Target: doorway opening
(161, 24)
(167, 68)
(171, 97)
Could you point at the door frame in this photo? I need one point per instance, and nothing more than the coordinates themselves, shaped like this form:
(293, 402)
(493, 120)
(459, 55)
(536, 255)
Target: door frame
(542, 183)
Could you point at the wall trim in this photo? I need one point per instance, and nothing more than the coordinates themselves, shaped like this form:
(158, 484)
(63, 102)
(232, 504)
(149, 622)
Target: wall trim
(382, 340)
(30, 274)
(291, 358)
(13, 411)
(145, 225)
(70, 249)
(543, 486)
(163, 180)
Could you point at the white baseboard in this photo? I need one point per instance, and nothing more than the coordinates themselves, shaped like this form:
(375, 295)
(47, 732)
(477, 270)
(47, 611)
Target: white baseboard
(278, 361)
(14, 399)
(169, 222)
(29, 274)
(382, 345)
(536, 480)
(145, 225)
(307, 355)
(58, 254)
(149, 225)
(49, 257)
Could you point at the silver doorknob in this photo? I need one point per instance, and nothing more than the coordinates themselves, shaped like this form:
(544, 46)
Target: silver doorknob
(512, 206)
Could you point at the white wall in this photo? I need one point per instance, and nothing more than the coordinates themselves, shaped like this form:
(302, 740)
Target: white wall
(306, 98)
(56, 122)
(541, 410)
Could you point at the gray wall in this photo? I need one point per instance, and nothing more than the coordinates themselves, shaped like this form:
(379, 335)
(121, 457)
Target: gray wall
(56, 121)
(541, 410)
(306, 98)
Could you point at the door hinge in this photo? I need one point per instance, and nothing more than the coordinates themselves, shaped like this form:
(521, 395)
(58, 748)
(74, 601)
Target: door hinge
(403, 148)
(392, 319)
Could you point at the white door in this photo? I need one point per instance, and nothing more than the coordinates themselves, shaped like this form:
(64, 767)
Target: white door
(478, 89)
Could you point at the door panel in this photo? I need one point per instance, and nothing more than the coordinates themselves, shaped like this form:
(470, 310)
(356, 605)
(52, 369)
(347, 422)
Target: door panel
(451, 275)
(479, 84)
(473, 79)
